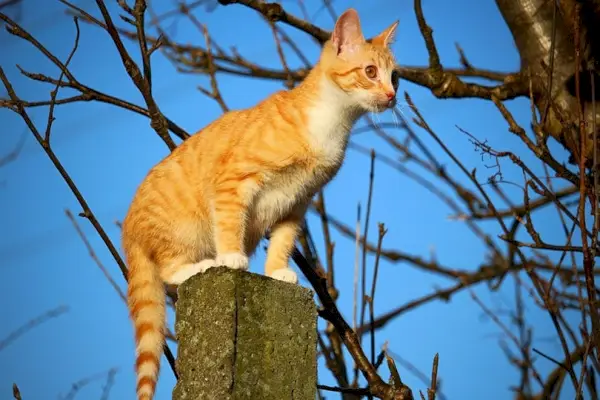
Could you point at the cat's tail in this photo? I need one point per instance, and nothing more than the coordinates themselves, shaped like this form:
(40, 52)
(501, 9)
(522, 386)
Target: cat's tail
(146, 301)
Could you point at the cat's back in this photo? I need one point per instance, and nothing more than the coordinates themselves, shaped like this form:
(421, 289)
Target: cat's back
(172, 184)
(232, 129)
(273, 129)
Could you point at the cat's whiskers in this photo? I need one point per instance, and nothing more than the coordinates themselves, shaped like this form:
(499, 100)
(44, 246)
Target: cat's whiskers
(378, 120)
(398, 111)
(374, 116)
(395, 119)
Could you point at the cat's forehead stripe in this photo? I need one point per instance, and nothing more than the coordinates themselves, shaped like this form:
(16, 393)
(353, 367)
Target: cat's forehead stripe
(381, 57)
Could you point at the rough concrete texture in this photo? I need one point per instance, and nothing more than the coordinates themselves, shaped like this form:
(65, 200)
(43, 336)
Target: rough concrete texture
(245, 336)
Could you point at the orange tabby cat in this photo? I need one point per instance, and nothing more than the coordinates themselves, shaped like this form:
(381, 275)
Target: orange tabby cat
(215, 196)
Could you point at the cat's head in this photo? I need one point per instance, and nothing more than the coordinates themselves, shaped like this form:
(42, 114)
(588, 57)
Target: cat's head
(363, 69)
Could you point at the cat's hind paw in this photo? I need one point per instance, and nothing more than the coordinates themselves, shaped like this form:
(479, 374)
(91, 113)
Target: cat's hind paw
(285, 275)
(182, 273)
(206, 264)
(233, 261)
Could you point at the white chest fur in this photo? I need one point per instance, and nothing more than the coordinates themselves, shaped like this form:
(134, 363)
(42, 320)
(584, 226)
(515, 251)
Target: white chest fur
(329, 124)
(281, 193)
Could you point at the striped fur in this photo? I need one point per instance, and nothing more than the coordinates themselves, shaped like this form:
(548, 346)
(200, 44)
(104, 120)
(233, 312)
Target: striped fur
(251, 171)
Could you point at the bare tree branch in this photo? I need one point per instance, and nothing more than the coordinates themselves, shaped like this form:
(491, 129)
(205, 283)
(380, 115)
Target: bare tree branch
(20, 331)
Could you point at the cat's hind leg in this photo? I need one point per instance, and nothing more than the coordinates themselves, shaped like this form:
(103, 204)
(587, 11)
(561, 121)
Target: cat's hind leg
(181, 273)
(206, 264)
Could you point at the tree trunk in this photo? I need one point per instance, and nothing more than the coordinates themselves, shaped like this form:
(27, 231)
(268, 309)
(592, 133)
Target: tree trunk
(531, 23)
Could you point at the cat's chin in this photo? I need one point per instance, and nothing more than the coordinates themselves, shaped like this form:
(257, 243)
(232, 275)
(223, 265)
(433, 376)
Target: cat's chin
(379, 107)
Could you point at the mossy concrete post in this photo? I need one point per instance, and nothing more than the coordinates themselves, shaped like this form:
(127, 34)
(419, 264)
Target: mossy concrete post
(245, 336)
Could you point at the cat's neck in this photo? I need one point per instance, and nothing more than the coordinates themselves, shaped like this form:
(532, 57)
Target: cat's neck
(330, 111)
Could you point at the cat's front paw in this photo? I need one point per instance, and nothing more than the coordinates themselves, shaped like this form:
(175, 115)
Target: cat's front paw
(206, 264)
(233, 261)
(285, 274)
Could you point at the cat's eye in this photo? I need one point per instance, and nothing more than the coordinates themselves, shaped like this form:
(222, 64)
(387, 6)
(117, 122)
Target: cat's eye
(371, 71)
(395, 79)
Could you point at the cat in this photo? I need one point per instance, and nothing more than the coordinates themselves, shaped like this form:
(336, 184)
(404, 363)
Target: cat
(249, 172)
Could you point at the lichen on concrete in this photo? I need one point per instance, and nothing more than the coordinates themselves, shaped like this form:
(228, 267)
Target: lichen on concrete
(245, 336)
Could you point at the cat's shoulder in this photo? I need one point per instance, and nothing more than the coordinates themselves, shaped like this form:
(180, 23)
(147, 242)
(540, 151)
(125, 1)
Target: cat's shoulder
(275, 98)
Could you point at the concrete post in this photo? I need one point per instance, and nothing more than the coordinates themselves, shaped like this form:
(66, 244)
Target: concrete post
(245, 336)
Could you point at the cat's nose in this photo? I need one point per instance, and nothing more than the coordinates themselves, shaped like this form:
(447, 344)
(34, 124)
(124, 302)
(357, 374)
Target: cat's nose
(390, 95)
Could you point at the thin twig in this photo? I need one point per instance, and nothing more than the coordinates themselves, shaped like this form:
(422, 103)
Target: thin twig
(33, 323)
(143, 82)
(363, 274)
(382, 231)
(16, 392)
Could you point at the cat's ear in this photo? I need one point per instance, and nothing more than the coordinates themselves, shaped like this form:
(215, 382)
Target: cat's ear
(386, 37)
(347, 34)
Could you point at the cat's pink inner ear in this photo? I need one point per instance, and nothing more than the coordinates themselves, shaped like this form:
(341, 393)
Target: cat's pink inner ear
(386, 37)
(347, 34)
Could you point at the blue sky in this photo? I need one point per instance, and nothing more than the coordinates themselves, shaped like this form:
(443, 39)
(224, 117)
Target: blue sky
(108, 151)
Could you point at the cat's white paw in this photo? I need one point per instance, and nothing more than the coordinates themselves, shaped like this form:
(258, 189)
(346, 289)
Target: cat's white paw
(183, 273)
(233, 261)
(206, 264)
(285, 274)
